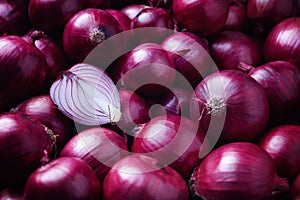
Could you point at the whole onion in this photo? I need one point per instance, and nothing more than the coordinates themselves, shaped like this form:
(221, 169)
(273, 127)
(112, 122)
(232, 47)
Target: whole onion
(149, 69)
(173, 140)
(282, 42)
(25, 145)
(63, 178)
(228, 48)
(282, 144)
(133, 10)
(43, 109)
(166, 4)
(51, 16)
(238, 170)
(139, 176)
(190, 55)
(281, 83)
(12, 194)
(204, 17)
(22, 68)
(85, 30)
(237, 17)
(295, 189)
(99, 147)
(123, 20)
(232, 103)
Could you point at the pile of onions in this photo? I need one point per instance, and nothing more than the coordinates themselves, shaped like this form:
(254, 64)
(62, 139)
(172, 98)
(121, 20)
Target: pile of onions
(63, 178)
(43, 109)
(173, 140)
(228, 48)
(232, 104)
(22, 69)
(282, 42)
(139, 176)
(204, 17)
(283, 144)
(25, 145)
(237, 16)
(85, 30)
(123, 20)
(99, 147)
(237, 171)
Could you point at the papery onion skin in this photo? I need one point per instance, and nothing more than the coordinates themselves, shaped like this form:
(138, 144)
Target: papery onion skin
(237, 170)
(282, 143)
(237, 17)
(43, 109)
(282, 42)
(133, 9)
(203, 17)
(25, 145)
(228, 48)
(123, 20)
(63, 178)
(51, 16)
(161, 131)
(295, 189)
(236, 97)
(98, 147)
(139, 176)
(22, 69)
(85, 30)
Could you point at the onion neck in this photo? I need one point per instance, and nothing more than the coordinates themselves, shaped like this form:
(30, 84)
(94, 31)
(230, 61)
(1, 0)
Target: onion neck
(281, 186)
(216, 105)
(245, 67)
(114, 114)
(52, 149)
(97, 36)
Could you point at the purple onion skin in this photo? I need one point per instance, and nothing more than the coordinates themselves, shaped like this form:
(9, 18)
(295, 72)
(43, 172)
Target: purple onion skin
(204, 17)
(133, 10)
(63, 178)
(281, 83)
(85, 30)
(43, 109)
(282, 143)
(22, 69)
(123, 20)
(237, 17)
(295, 189)
(235, 171)
(146, 142)
(282, 42)
(25, 145)
(228, 48)
(12, 194)
(139, 176)
(244, 107)
(51, 16)
(94, 143)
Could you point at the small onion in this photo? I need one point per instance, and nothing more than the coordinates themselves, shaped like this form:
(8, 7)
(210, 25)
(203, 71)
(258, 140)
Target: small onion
(235, 171)
(235, 98)
(139, 176)
(228, 48)
(204, 17)
(12, 194)
(176, 136)
(85, 30)
(43, 109)
(101, 148)
(63, 178)
(283, 145)
(237, 16)
(282, 42)
(133, 10)
(123, 20)
(295, 190)
(25, 145)
(87, 95)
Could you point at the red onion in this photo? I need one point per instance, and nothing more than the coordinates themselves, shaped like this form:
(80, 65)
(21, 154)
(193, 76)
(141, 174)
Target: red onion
(25, 144)
(43, 109)
(237, 16)
(51, 16)
(22, 69)
(14, 18)
(100, 3)
(190, 55)
(53, 52)
(281, 82)
(101, 148)
(204, 17)
(238, 170)
(63, 178)
(12, 194)
(114, 70)
(231, 47)
(231, 104)
(133, 10)
(173, 140)
(166, 4)
(87, 95)
(149, 69)
(123, 20)
(295, 190)
(139, 176)
(283, 145)
(282, 42)
(85, 30)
